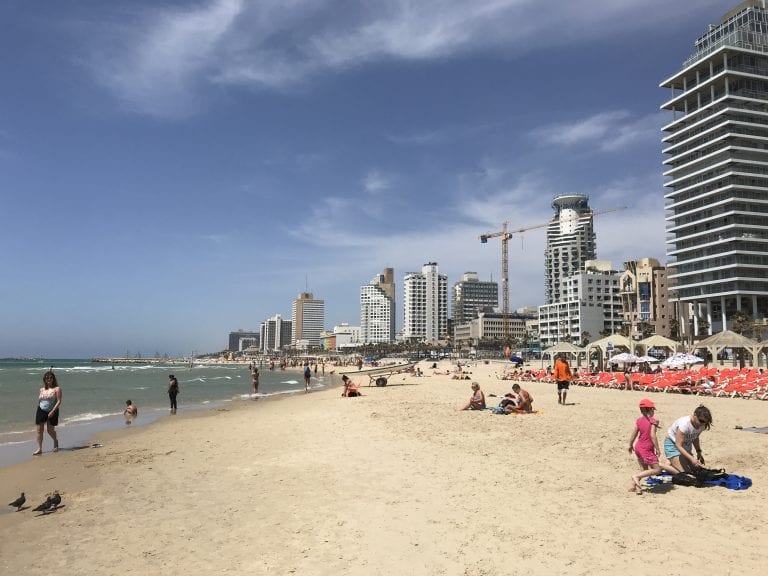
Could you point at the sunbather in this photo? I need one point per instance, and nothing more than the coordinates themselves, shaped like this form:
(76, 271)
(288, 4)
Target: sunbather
(350, 388)
(477, 400)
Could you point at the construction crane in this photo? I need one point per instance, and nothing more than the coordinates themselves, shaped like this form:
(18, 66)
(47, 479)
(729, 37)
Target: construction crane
(505, 235)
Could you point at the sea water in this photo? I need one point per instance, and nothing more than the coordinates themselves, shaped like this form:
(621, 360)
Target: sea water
(94, 395)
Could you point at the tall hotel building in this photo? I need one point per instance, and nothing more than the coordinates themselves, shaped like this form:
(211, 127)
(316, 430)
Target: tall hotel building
(472, 296)
(377, 309)
(308, 319)
(717, 158)
(570, 242)
(425, 303)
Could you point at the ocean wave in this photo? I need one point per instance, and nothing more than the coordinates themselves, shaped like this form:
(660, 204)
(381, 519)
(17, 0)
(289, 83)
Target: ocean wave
(88, 416)
(289, 382)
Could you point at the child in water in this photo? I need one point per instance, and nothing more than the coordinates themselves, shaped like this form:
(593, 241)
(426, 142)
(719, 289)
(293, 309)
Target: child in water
(647, 446)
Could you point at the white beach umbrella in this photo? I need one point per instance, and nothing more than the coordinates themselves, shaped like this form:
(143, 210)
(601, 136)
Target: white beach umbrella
(649, 359)
(624, 358)
(681, 359)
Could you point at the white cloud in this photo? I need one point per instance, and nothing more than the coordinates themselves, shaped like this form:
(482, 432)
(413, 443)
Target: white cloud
(610, 131)
(159, 62)
(375, 182)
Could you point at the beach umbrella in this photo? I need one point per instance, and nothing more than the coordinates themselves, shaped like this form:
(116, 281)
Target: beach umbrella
(681, 359)
(624, 358)
(649, 359)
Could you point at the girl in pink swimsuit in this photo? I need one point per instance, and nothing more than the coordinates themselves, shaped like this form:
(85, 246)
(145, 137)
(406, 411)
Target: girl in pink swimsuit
(647, 447)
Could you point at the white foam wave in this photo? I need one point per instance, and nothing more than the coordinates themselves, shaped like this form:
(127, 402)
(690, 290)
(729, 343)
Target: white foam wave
(88, 416)
(289, 382)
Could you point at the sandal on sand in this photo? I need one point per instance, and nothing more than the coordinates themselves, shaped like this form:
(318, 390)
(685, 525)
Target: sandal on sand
(37, 453)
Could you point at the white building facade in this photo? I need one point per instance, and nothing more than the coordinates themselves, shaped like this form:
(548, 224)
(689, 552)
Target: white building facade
(717, 171)
(590, 303)
(425, 305)
(275, 334)
(377, 309)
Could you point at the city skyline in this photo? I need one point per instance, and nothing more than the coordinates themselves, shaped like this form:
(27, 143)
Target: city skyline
(171, 172)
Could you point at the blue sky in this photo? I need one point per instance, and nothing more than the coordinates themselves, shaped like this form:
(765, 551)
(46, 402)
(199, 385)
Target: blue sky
(172, 171)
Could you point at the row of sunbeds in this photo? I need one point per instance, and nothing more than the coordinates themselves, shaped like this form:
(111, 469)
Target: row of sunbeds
(707, 381)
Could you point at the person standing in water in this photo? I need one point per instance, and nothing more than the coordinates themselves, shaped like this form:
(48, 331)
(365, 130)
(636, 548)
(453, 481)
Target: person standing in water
(130, 412)
(173, 391)
(48, 403)
(255, 382)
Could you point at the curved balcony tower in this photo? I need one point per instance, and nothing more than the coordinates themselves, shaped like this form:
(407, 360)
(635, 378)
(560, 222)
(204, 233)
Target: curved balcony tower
(570, 242)
(716, 149)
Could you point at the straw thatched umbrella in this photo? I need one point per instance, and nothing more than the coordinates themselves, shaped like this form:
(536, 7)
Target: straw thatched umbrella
(728, 339)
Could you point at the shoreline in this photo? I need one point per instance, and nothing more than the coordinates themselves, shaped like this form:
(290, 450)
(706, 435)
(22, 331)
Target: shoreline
(396, 481)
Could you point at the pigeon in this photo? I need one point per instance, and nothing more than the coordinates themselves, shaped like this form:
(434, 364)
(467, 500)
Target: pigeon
(55, 501)
(44, 506)
(19, 502)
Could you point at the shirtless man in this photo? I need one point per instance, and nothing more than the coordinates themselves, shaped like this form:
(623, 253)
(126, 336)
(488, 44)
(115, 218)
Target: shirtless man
(525, 403)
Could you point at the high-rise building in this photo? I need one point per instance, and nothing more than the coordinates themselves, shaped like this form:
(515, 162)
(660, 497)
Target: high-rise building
(472, 296)
(275, 334)
(307, 319)
(425, 305)
(570, 242)
(377, 308)
(717, 202)
(645, 297)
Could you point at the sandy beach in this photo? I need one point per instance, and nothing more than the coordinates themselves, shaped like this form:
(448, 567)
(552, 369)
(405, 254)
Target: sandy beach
(395, 482)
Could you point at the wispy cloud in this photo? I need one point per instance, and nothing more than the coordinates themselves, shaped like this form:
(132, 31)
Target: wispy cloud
(375, 182)
(607, 131)
(159, 62)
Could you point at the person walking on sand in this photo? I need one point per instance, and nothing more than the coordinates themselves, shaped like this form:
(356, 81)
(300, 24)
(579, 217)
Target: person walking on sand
(255, 382)
(647, 446)
(307, 376)
(48, 403)
(684, 435)
(562, 374)
(173, 391)
(130, 412)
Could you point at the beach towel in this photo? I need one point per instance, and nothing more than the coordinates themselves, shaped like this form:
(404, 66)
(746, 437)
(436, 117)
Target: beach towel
(731, 481)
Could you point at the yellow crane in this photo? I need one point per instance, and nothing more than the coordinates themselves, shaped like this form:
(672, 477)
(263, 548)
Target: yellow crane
(505, 235)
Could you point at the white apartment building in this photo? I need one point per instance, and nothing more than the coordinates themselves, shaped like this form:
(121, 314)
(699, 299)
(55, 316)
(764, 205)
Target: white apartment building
(275, 334)
(490, 325)
(717, 174)
(590, 303)
(425, 305)
(347, 336)
(377, 308)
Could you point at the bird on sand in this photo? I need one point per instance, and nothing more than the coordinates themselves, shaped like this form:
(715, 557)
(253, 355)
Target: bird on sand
(44, 506)
(55, 500)
(19, 502)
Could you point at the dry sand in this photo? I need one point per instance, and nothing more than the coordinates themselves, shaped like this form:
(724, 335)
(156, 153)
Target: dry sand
(395, 482)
